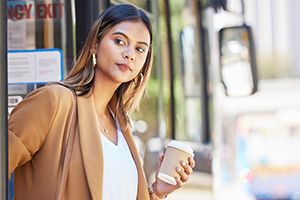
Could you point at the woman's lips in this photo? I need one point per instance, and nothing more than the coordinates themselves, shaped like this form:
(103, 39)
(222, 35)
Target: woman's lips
(124, 67)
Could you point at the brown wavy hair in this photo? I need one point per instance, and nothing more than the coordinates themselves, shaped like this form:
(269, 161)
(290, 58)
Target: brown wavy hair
(81, 77)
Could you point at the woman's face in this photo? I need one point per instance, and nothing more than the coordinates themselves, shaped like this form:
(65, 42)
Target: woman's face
(123, 51)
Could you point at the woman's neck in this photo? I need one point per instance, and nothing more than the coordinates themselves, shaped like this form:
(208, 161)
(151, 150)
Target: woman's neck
(103, 90)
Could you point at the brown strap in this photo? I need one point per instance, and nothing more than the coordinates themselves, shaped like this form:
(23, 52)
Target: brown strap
(69, 149)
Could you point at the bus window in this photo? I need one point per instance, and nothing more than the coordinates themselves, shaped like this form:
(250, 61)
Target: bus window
(38, 26)
(42, 25)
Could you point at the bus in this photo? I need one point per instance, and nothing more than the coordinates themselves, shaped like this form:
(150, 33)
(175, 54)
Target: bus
(257, 142)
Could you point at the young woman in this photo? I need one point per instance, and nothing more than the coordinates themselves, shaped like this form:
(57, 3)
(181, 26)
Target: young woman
(109, 79)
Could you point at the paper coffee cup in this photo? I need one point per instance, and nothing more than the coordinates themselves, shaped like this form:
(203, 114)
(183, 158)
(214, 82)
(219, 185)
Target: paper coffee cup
(175, 153)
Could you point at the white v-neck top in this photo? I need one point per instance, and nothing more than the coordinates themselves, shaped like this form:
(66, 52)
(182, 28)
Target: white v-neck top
(120, 176)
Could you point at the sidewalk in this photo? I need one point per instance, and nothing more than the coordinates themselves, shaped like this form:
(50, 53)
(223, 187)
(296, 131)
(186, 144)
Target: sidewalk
(187, 193)
(190, 193)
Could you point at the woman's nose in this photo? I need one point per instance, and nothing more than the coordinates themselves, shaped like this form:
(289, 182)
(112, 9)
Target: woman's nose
(129, 54)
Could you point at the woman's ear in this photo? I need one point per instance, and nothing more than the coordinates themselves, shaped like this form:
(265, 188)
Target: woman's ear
(95, 48)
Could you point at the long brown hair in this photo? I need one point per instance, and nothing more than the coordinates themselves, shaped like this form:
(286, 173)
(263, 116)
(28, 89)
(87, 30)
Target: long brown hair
(81, 77)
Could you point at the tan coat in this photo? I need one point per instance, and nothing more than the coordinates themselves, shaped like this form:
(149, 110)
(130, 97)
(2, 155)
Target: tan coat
(38, 130)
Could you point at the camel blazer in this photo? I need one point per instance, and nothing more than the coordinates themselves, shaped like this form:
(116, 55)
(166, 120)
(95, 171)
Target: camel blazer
(38, 134)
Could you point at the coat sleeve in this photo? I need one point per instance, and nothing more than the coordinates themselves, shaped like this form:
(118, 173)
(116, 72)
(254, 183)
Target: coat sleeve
(28, 125)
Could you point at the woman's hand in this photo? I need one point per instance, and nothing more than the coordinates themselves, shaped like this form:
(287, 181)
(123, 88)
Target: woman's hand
(161, 188)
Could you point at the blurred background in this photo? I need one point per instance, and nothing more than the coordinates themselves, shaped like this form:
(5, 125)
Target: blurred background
(225, 81)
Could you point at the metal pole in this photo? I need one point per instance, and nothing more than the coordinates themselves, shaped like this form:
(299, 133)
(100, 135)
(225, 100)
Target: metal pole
(3, 103)
(204, 81)
(171, 70)
(160, 115)
(103, 5)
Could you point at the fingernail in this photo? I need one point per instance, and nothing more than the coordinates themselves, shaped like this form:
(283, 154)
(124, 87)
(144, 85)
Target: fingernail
(179, 169)
(183, 163)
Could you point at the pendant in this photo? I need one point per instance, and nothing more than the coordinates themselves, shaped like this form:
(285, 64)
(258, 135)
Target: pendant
(106, 131)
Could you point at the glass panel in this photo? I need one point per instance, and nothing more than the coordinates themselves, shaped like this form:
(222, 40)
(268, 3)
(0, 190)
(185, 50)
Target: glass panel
(187, 86)
(42, 24)
(143, 4)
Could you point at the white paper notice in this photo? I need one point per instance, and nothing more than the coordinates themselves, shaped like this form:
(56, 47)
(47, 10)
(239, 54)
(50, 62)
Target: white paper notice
(34, 66)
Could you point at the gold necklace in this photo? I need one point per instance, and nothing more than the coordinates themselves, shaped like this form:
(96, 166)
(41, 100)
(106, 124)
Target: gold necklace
(105, 127)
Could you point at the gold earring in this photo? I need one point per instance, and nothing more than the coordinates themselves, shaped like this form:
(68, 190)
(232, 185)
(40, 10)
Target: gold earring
(94, 60)
(142, 78)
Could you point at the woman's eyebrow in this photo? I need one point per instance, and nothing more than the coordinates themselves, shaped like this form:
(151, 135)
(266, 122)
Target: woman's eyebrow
(120, 33)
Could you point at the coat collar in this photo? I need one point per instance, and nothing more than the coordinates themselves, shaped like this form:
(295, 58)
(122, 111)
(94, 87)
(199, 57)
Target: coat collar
(91, 147)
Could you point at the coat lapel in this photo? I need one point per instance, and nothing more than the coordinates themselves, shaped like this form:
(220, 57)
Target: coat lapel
(142, 185)
(127, 132)
(91, 145)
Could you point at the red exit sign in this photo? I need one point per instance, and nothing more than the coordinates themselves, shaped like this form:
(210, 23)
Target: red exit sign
(42, 11)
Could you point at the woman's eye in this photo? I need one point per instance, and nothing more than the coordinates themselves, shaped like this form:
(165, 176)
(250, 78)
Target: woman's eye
(119, 41)
(140, 49)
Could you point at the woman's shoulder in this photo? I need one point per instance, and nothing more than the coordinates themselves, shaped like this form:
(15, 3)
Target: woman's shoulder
(48, 100)
(59, 89)
(53, 92)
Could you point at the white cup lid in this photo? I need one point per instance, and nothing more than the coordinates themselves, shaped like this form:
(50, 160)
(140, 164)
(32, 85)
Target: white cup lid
(181, 146)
